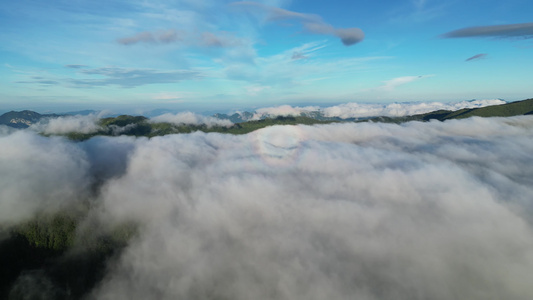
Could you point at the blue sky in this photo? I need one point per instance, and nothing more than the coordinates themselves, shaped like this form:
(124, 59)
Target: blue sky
(223, 55)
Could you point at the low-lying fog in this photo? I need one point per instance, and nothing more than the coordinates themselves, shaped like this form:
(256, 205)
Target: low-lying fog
(438, 210)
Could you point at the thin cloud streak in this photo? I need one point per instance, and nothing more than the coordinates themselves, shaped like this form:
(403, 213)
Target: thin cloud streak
(311, 22)
(524, 30)
(161, 37)
(392, 84)
(298, 55)
(129, 78)
(477, 56)
(205, 39)
(76, 66)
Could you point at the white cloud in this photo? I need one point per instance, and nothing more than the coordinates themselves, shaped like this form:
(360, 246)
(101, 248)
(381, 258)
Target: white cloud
(190, 118)
(160, 37)
(256, 89)
(392, 84)
(363, 110)
(283, 70)
(371, 211)
(39, 175)
(67, 124)
(283, 110)
(311, 22)
(360, 110)
(6, 130)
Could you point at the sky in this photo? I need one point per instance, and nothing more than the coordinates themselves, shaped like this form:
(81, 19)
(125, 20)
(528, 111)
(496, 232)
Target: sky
(206, 55)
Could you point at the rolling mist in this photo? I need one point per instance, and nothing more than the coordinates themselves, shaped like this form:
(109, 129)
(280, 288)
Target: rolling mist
(436, 210)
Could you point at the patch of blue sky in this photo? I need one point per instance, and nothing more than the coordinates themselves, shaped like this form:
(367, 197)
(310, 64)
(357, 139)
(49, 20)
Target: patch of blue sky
(261, 52)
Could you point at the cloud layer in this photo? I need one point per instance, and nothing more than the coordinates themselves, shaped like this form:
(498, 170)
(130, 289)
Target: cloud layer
(434, 210)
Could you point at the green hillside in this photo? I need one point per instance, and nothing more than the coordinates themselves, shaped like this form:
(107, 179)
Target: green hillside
(524, 107)
(518, 108)
(140, 126)
(73, 257)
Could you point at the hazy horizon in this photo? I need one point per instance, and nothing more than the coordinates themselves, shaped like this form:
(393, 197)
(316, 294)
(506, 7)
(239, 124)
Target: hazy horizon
(154, 111)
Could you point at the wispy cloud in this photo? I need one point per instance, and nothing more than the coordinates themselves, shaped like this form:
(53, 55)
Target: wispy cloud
(255, 89)
(421, 11)
(220, 40)
(477, 56)
(86, 77)
(75, 66)
(159, 37)
(392, 84)
(288, 69)
(128, 78)
(44, 82)
(190, 39)
(524, 30)
(419, 4)
(311, 22)
(298, 55)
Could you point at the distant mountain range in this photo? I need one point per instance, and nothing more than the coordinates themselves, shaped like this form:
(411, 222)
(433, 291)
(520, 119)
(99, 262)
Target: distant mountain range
(247, 116)
(24, 119)
(384, 113)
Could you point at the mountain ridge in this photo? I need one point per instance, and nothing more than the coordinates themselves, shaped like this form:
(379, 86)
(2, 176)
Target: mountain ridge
(23, 119)
(142, 126)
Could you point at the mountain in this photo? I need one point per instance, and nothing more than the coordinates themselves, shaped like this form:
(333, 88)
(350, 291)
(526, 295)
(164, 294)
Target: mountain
(23, 119)
(524, 107)
(517, 108)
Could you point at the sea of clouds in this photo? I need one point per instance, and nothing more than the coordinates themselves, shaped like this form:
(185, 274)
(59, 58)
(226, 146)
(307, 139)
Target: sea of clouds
(437, 210)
